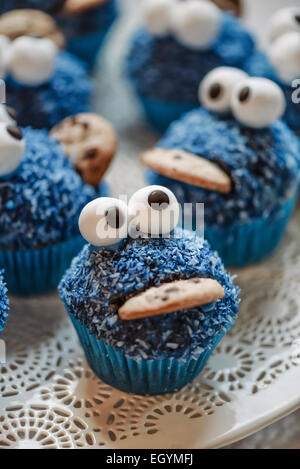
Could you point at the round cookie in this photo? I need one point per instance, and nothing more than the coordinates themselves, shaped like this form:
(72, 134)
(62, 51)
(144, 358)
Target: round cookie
(90, 142)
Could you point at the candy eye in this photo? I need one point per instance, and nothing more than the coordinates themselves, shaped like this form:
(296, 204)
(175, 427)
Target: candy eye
(216, 88)
(32, 59)
(12, 148)
(103, 222)
(257, 102)
(4, 55)
(284, 54)
(284, 21)
(7, 115)
(195, 23)
(156, 16)
(153, 210)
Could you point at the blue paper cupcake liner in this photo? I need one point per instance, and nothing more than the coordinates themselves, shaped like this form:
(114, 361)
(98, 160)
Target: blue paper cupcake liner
(160, 114)
(32, 271)
(142, 376)
(239, 245)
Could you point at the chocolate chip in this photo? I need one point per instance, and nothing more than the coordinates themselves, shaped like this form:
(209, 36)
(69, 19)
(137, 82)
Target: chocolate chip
(91, 153)
(172, 289)
(177, 157)
(215, 91)
(244, 94)
(114, 217)
(158, 200)
(85, 125)
(11, 112)
(297, 18)
(165, 298)
(15, 132)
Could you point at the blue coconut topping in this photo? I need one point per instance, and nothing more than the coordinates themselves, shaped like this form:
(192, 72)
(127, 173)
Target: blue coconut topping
(163, 68)
(41, 202)
(258, 65)
(263, 165)
(100, 281)
(3, 302)
(68, 92)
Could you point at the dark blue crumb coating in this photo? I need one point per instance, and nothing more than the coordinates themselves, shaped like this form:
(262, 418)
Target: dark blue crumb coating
(3, 302)
(89, 21)
(258, 65)
(68, 92)
(40, 204)
(99, 281)
(50, 6)
(263, 164)
(164, 69)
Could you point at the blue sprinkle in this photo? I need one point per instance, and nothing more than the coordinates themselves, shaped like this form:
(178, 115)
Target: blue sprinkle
(4, 304)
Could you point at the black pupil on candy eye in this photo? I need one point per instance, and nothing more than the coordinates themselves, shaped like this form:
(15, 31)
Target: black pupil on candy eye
(297, 18)
(244, 94)
(215, 91)
(14, 131)
(114, 217)
(158, 200)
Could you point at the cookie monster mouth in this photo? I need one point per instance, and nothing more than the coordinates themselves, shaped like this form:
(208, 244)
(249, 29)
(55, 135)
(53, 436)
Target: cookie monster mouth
(189, 168)
(172, 296)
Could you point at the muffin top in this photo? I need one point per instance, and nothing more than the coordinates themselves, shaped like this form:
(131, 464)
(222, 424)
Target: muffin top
(41, 200)
(164, 68)
(99, 282)
(3, 302)
(263, 165)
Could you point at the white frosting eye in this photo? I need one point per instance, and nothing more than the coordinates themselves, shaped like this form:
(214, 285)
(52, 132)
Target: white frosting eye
(104, 222)
(12, 146)
(156, 16)
(32, 60)
(284, 54)
(4, 55)
(153, 210)
(284, 21)
(195, 23)
(216, 88)
(7, 115)
(257, 102)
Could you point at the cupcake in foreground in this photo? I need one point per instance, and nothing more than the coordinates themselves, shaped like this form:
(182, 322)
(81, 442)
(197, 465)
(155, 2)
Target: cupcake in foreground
(44, 83)
(84, 22)
(4, 304)
(283, 51)
(236, 156)
(41, 196)
(179, 44)
(149, 303)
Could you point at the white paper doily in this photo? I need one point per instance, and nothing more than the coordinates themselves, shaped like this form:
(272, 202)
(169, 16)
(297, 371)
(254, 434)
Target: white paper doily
(49, 398)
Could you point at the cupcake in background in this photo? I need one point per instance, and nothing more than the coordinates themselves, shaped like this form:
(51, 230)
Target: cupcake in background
(4, 303)
(149, 302)
(85, 23)
(178, 45)
(42, 192)
(236, 156)
(44, 83)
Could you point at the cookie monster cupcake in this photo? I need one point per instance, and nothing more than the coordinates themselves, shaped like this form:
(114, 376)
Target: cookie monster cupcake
(179, 44)
(41, 197)
(151, 303)
(283, 67)
(84, 22)
(43, 83)
(236, 156)
(4, 304)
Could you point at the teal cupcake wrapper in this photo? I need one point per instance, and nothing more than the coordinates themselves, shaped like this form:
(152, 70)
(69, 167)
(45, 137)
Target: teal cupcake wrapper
(145, 377)
(239, 245)
(32, 271)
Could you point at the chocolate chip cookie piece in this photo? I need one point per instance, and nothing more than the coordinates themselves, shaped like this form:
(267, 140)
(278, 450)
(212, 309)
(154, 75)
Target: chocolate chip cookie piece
(232, 6)
(90, 142)
(78, 6)
(34, 23)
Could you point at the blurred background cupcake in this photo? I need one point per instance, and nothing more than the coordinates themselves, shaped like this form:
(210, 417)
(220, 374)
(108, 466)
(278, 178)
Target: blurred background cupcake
(42, 194)
(237, 157)
(85, 23)
(150, 311)
(44, 83)
(177, 45)
(4, 304)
